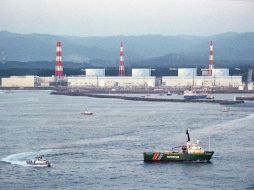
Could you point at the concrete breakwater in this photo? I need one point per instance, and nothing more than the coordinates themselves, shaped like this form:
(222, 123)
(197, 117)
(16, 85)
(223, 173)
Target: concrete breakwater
(245, 98)
(148, 99)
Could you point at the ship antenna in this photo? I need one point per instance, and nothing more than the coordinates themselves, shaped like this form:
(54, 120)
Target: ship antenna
(209, 144)
(188, 135)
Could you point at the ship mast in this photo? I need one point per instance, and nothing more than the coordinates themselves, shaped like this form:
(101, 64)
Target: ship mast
(209, 144)
(188, 135)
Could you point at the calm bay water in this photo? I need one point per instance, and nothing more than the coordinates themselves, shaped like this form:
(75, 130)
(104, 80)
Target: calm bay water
(105, 151)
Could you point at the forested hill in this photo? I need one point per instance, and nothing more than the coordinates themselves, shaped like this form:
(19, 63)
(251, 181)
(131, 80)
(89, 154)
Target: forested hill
(144, 51)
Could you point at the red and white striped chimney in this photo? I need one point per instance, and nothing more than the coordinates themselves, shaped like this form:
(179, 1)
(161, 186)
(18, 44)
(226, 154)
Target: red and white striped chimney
(211, 61)
(121, 62)
(59, 66)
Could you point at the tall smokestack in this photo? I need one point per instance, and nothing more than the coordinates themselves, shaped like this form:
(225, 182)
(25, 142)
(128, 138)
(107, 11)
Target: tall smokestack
(59, 66)
(211, 61)
(121, 61)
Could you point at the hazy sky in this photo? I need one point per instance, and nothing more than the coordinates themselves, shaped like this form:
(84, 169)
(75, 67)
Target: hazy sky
(127, 17)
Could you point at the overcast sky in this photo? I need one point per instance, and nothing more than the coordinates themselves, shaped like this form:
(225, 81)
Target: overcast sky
(127, 17)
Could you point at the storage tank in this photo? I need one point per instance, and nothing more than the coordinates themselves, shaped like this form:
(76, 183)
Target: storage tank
(141, 72)
(95, 72)
(187, 72)
(220, 72)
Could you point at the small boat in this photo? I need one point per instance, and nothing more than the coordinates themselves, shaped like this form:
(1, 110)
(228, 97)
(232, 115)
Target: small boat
(87, 113)
(169, 93)
(210, 96)
(190, 95)
(191, 152)
(225, 109)
(39, 161)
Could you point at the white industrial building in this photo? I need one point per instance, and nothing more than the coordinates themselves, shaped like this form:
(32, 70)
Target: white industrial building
(97, 78)
(95, 72)
(111, 81)
(188, 77)
(187, 72)
(141, 72)
(250, 86)
(220, 72)
(140, 78)
(20, 81)
(207, 81)
(216, 72)
(45, 81)
(27, 81)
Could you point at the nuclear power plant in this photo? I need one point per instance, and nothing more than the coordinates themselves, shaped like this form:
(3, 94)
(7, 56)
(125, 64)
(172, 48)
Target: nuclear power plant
(211, 77)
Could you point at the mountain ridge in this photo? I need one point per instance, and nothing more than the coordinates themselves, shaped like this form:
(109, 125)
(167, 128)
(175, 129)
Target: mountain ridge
(230, 46)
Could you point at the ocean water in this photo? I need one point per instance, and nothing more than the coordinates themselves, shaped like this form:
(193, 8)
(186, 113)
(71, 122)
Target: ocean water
(105, 151)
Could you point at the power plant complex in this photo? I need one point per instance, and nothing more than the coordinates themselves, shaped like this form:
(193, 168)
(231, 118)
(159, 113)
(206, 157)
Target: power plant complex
(140, 77)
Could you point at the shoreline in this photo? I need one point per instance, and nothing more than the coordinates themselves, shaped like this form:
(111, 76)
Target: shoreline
(126, 91)
(108, 93)
(147, 99)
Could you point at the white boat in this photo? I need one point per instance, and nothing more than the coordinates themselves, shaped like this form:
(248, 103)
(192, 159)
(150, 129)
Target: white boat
(210, 96)
(87, 113)
(190, 94)
(39, 162)
(169, 93)
(225, 109)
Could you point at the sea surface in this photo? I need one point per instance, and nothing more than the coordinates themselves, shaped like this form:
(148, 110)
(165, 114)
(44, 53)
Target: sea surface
(105, 150)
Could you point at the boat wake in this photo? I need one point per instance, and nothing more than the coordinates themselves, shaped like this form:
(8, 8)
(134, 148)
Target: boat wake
(91, 141)
(21, 158)
(228, 125)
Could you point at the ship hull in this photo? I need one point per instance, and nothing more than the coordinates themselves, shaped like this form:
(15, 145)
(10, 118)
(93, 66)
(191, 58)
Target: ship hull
(177, 157)
(193, 97)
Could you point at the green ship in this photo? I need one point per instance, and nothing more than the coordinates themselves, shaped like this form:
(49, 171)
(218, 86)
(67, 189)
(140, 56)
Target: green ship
(191, 152)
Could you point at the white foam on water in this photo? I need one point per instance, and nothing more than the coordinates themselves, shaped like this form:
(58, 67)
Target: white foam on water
(21, 158)
(90, 141)
(228, 125)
